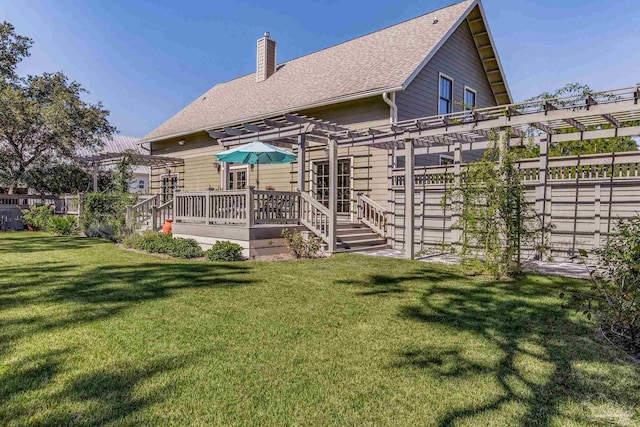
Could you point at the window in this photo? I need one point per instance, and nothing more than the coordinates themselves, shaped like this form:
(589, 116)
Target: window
(446, 95)
(469, 99)
(168, 185)
(445, 160)
(141, 184)
(237, 178)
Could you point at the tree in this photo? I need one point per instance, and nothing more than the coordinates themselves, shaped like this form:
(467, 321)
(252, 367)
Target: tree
(572, 148)
(43, 119)
(66, 178)
(13, 48)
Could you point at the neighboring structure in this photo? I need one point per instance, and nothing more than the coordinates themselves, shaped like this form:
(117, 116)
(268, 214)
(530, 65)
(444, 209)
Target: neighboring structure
(113, 148)
(424, 94)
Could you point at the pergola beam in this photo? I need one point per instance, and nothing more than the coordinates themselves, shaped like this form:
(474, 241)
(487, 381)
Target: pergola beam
(570, 121)
(398, 132)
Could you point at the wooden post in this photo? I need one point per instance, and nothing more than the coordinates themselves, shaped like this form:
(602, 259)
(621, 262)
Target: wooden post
(95, 177)
(249, 203)
(409, 199)
(541, 200)
(302, 161)
(597, 214)
(455, 204)
(333, 195)
(359, 208)
(207, 207)
(154, 217)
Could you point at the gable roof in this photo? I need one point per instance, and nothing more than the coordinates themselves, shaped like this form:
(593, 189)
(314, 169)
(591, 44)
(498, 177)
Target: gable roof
(385, 60)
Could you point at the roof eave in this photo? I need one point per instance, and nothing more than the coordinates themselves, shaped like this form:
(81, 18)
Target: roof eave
(324, 103)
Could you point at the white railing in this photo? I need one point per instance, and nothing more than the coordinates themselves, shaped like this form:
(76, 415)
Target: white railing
(275, 207)
(161, 214)
(141, 212)
(372, 214)
(238, 207)
(315, 216)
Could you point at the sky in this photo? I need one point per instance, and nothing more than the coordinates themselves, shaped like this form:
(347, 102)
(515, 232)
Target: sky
(147, 59)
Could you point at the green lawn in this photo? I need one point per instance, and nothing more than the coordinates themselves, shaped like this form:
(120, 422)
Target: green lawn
(92, 334)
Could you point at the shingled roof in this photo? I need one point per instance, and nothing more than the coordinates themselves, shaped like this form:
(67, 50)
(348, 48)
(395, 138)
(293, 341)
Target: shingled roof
(386, 60)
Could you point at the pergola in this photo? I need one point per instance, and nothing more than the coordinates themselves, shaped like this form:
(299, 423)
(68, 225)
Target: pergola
(605, 114)
(110, 159)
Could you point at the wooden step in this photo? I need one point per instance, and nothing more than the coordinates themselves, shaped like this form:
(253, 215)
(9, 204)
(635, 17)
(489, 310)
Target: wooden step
(364, 249)
(361, 243)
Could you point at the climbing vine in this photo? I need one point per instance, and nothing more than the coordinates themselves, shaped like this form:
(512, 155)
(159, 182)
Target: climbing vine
(494, 218)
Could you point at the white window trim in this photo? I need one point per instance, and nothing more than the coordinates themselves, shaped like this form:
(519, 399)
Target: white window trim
(236, 166)
(440, 76)
(445, 156)
(464, 97)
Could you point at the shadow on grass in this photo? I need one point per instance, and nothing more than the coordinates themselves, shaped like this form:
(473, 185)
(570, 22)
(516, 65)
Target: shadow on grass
(381, 284)
(99, 397)
(37, 298)
(520, 322)
(21, 243)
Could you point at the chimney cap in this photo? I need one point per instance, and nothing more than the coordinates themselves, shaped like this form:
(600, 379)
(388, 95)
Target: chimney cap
(267, 34)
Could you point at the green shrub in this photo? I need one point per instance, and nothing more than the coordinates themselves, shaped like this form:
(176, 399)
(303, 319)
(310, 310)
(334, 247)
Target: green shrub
(155, 243)
(225, 251)
(63, 225)
(614, 295)
(104, 214)
(185, 248)
(37, 217)
(299, 246)
(159, 243)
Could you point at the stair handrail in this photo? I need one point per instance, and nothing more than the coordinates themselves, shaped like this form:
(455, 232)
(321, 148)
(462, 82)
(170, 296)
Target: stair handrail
(373, 215)
(315, 216)
(141, 211)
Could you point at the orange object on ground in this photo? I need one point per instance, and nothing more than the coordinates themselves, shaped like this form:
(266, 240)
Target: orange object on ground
(166, 228)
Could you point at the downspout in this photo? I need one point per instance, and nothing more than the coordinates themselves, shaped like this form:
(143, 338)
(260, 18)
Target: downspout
(390, 99)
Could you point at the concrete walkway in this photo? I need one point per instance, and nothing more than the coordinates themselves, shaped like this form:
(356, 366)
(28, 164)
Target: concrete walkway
(566, 269)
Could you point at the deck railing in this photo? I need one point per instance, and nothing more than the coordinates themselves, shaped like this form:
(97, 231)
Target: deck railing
(372, 214)
(238, 207)
(162, 213)
(315, 216)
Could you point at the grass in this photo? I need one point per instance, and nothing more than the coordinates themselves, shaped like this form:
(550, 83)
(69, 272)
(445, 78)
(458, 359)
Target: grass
(91, 334)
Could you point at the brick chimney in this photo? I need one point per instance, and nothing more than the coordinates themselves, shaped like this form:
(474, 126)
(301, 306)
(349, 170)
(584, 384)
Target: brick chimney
(266, 58)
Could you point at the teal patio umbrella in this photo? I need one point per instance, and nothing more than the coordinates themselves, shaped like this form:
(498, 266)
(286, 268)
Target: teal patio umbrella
(257, 153)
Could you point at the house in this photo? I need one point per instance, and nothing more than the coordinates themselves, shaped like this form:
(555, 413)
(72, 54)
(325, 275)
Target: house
(428, 65)
(112, 150)
(376, 121)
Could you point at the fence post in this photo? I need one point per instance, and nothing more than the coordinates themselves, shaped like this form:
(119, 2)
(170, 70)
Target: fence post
(455, 204)
(541, 199)
(596, 211)
(359, 208)
(409, 199)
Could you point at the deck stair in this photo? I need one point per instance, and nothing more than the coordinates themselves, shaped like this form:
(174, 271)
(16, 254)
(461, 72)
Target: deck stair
(356, 237)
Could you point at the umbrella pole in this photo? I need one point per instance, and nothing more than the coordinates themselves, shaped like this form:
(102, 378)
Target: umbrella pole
(257, 176)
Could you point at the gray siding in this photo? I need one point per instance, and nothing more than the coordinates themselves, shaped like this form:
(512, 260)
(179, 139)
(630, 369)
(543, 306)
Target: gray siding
(457, 58)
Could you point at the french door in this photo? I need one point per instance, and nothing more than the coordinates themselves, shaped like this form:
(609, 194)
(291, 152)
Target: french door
(321, 184)
(237, 179)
